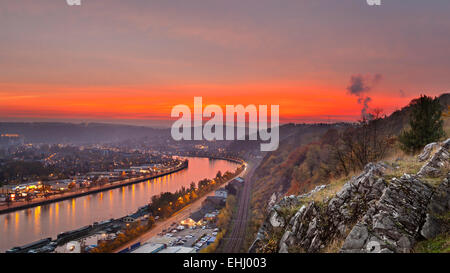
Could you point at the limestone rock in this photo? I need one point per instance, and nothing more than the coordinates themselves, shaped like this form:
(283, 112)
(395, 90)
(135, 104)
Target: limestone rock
(438, 208)
(425, 155)
(438, 161)
(396, 218)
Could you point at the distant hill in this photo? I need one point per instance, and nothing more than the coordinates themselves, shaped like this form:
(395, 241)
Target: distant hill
(53, 132)
(85, 133)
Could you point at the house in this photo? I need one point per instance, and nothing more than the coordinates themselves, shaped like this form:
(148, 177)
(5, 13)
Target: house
(128, 219)
(210, 216)
(149, 248)
(221, 193)
(189, 222)
(178, 249)
(197, 216)
(214, 202)
(61, 185)
(22, 187)
(239, 179)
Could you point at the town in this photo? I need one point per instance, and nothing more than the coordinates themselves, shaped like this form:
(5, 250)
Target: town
(62, 170)
(189, 235)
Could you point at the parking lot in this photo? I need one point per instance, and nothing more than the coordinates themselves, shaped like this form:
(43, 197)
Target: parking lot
(196, 237)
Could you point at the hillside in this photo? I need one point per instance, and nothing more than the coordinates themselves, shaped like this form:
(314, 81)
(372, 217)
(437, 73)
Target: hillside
(83, 133)
(379, 210)
(305, 160)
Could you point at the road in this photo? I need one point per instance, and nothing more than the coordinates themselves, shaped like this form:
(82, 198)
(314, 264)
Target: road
(177, 217)
(233, 243)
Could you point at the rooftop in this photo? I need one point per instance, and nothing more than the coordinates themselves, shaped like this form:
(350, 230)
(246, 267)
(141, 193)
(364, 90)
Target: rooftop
(178, 249)
(149, 248)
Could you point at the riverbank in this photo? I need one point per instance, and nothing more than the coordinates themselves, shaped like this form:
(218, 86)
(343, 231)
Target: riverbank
(182, 214)
(30, 225)
(229, 159)
(64, 196)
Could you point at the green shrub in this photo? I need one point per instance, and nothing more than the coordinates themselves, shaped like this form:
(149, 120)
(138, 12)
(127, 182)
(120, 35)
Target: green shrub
(425, 122)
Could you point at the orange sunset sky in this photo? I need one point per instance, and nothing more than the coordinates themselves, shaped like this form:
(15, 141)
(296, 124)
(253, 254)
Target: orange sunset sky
(132, 61)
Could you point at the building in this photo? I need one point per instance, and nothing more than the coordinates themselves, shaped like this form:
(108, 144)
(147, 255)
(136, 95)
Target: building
(214, 202)
(189, 222)
(149, 248)
(140, 169)
(129, 219)
(103, 173)
(22, 187)
(8, 140)
(210, 216)
(239, 179)
(178, 249)
(124, 171)
(221, 193)
(14, 192)
(197, 216)
(61, 185)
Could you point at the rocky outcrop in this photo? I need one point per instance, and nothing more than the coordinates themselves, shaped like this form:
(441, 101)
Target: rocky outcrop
(438, 162)
(276, 218)
(437, 218)
(393, 223)
(425, 155)
(371, 213)
(315, 224)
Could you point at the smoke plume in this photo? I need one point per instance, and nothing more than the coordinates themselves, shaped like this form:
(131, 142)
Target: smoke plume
(359, 86)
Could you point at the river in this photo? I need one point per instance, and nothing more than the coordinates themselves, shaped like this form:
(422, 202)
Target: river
(29, 225)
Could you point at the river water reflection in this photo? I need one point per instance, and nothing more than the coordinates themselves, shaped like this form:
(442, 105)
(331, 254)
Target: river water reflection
(29, 225)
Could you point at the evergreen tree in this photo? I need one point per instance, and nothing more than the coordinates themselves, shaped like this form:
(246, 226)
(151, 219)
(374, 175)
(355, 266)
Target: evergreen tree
(425, 122)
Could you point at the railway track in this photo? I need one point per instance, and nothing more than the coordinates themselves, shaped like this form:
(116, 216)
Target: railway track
(233, 243)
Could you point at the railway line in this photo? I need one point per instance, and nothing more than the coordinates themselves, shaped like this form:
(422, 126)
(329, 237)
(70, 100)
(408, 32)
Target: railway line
(233, 243)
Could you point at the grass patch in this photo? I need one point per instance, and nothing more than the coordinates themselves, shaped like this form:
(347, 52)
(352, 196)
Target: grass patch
(404, 164)
(288, 212)
(334, 246)
(330, 190)
(271, 245)
(434, 182)
(440, 244)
